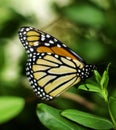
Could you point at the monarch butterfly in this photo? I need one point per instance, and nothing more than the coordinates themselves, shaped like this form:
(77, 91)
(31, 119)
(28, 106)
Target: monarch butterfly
(52, 67)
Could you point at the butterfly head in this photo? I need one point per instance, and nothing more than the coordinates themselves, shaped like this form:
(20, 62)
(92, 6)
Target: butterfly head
(87, 71)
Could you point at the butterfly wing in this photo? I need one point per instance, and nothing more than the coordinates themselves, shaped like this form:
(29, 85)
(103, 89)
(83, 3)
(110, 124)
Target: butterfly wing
(37, 41)
(52, 67)
(50, 75)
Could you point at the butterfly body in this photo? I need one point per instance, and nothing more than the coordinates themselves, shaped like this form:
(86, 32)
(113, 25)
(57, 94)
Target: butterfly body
(52, 67)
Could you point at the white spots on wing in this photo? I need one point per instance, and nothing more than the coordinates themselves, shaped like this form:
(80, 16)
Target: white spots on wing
(26, 47)
(49, 53)
(64, 45)
(50, 41)
(56, 56)
(86, 70)
(24, 32)
(36, 43)
(82, 73)
(27, 29)
(48, 36)
(55, 40)
(31, 49)
(40, 57)
(58, 45)
(30, 55)
(79, 70)
(47, 44)
(28, 51)
(42, 38)
(24, 38)
(42, 54)
(26, 43)
(22, 29)
(20, 34)
(42, 35)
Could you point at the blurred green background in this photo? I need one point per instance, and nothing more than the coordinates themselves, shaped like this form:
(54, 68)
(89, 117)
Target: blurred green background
(86, 26)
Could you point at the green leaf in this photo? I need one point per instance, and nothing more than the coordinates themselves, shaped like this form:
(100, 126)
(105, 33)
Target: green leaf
(85, 14)
(105, 78)
(90, 87)
(97, 76)
(112, 105)
(52, 119)
(86, 119)
(10, 107)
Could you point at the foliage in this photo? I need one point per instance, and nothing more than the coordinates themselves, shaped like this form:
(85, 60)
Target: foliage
(11, 106)
(88, 27)
(79, 117)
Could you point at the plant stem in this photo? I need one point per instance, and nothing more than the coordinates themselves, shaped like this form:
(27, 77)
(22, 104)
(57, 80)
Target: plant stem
(81, 100)
(105, 95)
(111, 116)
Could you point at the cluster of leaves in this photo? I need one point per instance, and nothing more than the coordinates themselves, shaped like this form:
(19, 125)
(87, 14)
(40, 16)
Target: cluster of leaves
(53, 118)
(68, 119)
